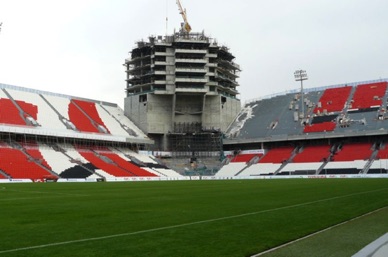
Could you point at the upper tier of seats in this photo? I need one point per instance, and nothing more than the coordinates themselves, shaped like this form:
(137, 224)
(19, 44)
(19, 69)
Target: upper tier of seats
(333, 100)
(351, 108)
(84, 116)
(320, 127)
(368, 95)
(55, 114)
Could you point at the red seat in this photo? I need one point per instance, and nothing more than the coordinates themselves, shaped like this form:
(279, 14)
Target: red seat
(333, 99)
(244, 157)
(314, 153)
(354, 151)
(10, 114)
(88, 122)
(19, 165)
(277, 155)
(368, 95)
(320, 127)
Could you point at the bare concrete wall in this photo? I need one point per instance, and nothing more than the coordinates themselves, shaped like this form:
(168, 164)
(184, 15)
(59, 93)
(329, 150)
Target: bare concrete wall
(229, 110)
(212, 112)
(218, 114)
(159, 113)
(136, 111)
(188, 108)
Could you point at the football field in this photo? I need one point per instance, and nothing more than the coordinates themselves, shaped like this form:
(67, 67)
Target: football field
(192, 218)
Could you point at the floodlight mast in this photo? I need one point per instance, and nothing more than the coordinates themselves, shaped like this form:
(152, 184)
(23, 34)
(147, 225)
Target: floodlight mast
(301, 75)
(186, 26)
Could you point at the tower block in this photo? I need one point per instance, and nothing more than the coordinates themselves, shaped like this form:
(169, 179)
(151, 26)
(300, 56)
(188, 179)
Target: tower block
(182, 84)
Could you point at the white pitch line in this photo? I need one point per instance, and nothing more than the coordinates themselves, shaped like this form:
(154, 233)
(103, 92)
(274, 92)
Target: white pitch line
(26, 198)
(44, 192)
(184, 224)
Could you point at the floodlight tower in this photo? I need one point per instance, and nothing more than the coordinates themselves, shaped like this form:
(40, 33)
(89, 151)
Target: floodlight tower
(301, 75)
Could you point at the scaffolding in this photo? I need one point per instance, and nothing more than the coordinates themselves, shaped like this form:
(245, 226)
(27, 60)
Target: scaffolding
(203, 144)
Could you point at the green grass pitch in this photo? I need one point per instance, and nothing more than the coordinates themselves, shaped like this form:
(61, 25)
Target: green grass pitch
(190, 218)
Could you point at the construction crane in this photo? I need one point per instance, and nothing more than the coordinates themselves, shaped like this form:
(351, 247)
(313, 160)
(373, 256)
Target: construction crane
(186, 26)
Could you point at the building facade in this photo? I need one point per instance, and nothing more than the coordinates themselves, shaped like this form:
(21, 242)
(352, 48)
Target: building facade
(181, 84)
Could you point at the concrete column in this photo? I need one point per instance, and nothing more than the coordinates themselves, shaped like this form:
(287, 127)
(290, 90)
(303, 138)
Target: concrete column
(173, 111)
(165, 142)
(203, 109)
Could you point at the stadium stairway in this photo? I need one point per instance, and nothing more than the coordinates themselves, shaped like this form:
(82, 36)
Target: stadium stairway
(4, 175)
(65, 165)
(124, 164)
(17, 111)
(113, 123)
(84, 116)
(371, 160)
(255, 159)
(104, 164)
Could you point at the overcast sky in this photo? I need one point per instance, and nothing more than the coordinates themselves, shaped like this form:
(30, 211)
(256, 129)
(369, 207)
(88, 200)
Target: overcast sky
(77, 47)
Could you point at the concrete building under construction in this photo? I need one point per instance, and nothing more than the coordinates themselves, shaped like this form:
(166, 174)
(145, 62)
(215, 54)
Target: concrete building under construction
(182, 90)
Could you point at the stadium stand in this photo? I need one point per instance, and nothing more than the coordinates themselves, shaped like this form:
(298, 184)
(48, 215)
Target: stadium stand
(64, 165)
(326, 111)
(19, 161)
(63, 114)
(278, 155)
(314, 153)
(51, 135)
(333, 100)
(127, 165)
(344, 167)
(368, 96)
(353, 151)
(260, 169)
(85, 117)
(44, 117)
(308, 161)
(117, 114)
(114, 125)
(9, 114)
(308, 168)
(231, 169)
(268, 164)
(16, 111)
(244, 157)
(253, 122)
(39, 130)
(320, 127)
(60, 105)
(379, 166)
(383, 152)
(147, 163)
(104, 163)
(340, 119)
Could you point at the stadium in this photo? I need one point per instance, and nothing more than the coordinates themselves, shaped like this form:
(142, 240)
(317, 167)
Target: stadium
(307, 168)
